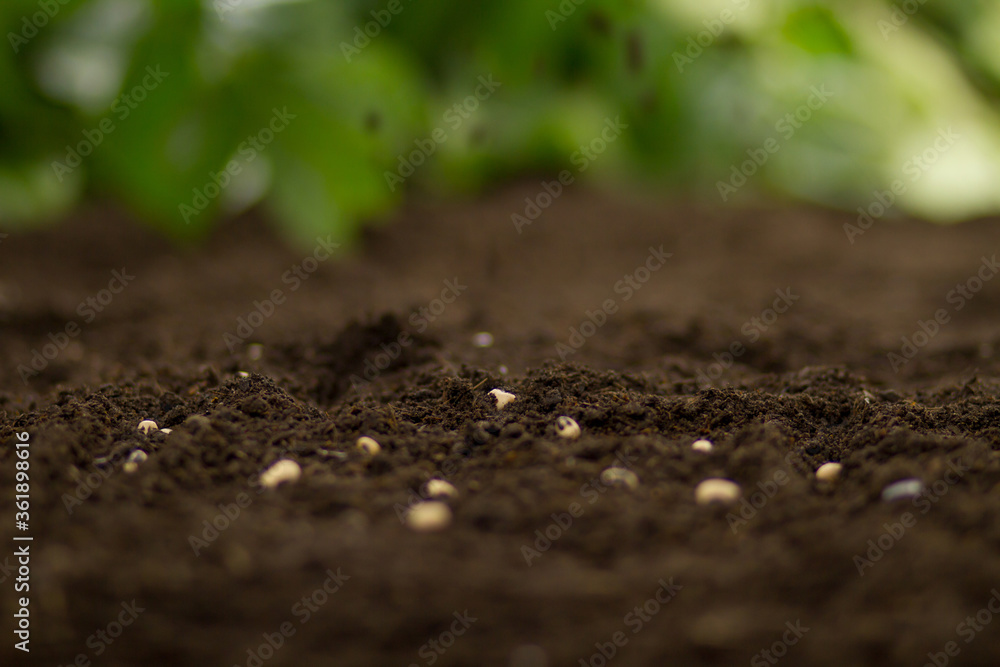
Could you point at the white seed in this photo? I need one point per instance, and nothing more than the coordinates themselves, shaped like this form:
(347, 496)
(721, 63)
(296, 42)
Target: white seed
(567, 427)
(828, 471)
(616, 476)
(716, 490)
(285, 470)
(368, 445)
(439, 488)
(243, 374)
(429, 516)
(483, 339)
(147, 426)
(166, 431)
(137, 456)
(503, 397)
(130, 467)
(903, 489)
(702, 446)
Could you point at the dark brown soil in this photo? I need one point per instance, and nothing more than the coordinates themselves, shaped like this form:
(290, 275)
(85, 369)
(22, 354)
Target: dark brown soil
(816, 386)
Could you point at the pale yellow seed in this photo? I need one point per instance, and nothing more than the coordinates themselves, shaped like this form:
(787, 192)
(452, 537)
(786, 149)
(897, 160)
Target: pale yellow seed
(566, 427)
(147, 426)
(439, 488)
(368, 445)
(502, 397)
(716, 491)
(616, 476)
(702, 446)
(828, 471)
(430, 516)
(282, 471)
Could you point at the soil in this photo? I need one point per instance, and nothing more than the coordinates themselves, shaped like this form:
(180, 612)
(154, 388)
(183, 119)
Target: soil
(555, 566)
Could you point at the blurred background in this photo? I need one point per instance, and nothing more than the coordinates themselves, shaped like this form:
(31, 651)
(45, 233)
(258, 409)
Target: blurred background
(329, 114)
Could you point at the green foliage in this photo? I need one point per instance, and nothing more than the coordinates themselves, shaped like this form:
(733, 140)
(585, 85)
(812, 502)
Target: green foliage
(698, 84)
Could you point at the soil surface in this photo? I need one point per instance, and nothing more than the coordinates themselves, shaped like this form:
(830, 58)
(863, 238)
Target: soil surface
(765, 331)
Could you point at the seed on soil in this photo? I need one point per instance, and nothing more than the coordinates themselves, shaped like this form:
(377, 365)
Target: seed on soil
(368, 445)
(903, 489)
(616, 476)
(828, 471)
(430, 516)
(147, 426)
(243, 374)
(134, 459)
(483, 339)
(567, 427)
(166, 431)
(716, 490)
(503, 397)
(702, 446)
(285, 470)
(439, 488)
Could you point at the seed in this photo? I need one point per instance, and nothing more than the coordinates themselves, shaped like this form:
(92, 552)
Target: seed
(147, 426)
(439, 488)
(285, 470)
(503, 397)
(430, 516)
(166, 431)
(615, 476)
(828, 471)
(134, 459)
(137, 456)
(716, 490)
(903, 489)
(702, 446)
(483, 339)
(368, 445)
(243, 374)
(567, 427)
